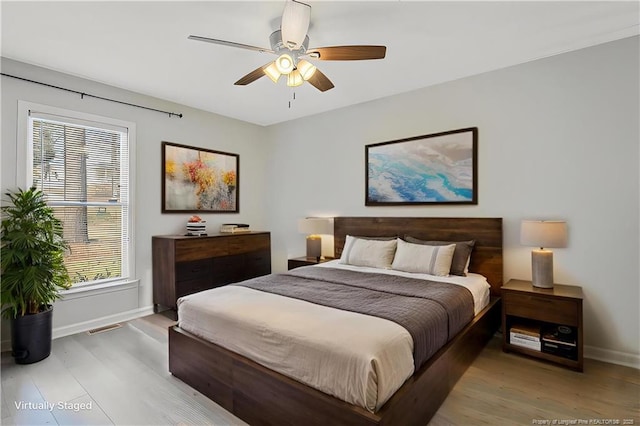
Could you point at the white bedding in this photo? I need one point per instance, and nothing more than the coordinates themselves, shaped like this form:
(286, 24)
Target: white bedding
(357, 358)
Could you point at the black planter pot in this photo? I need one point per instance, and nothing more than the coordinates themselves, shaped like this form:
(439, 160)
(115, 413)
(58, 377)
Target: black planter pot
(31, 336)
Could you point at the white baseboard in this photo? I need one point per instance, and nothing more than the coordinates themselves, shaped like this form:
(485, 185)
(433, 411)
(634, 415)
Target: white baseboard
(90, 325)
(613, 357)
(101, 322)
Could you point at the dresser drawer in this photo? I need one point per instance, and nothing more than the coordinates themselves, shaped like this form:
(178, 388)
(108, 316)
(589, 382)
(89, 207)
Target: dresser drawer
(193, 270)
(260, 261)
(198, 248)
(553, 310)
(228, 269)
(249, 243)
(184, 288)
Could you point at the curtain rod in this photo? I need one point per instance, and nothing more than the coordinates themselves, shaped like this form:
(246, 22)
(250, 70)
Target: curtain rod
(83, 94)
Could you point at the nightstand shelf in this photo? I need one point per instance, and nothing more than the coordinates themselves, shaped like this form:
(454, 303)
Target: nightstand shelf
(543, 309)
(305, 261)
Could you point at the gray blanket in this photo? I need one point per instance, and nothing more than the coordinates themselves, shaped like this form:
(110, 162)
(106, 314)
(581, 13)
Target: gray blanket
(432, 312)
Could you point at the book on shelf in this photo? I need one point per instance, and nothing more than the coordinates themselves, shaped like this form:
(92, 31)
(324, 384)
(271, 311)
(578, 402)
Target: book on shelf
(524, 337)
(559, 349)
(526, 330)
(234, 227)
(515, 340)
(235, 231)
(560, 334)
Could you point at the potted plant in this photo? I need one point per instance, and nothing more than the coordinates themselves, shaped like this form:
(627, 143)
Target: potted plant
(33, 272)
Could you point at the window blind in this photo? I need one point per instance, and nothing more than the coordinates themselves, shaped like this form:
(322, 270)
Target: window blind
(83, 169)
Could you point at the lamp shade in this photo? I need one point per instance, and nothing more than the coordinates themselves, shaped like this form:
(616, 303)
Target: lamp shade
(307, 69)
(315, 225)
(543, 233)
(294, 79)
(272, 72)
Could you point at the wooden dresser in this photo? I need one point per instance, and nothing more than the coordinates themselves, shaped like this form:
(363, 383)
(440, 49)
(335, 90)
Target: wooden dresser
(183, 265)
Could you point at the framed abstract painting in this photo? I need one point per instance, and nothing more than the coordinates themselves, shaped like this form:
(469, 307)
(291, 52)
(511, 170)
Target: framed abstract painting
(439, 168)
(199, 180)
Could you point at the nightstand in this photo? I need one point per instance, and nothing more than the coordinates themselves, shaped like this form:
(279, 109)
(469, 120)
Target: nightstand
(556, 310)
(306, 261)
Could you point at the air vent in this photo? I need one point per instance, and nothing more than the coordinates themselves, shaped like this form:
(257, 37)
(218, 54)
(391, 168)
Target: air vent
(103, 329)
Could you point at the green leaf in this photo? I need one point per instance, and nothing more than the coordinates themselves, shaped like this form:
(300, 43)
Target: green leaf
(32, 254)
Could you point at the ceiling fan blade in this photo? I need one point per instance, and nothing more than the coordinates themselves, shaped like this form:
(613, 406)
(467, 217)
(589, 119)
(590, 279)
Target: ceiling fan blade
(252, 76)
(320, 81)
(295, 23)
(230, 44)
(347, 53)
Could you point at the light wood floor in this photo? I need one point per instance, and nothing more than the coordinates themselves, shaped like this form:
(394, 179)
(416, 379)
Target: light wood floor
(121, 377)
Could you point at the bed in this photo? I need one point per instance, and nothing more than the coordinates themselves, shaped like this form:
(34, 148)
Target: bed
(260, 395)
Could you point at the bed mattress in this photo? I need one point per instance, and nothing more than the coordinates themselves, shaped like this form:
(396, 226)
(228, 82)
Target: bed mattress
(358, 358)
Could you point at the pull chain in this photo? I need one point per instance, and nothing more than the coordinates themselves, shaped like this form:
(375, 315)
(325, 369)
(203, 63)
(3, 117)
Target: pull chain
(292, 99)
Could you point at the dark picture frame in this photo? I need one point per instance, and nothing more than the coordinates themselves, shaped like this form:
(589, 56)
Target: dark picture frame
(434, 169)
(199, 180)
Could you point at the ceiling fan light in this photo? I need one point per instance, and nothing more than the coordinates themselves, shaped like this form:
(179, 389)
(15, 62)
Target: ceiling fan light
(295, 23)
(294, 79)
(284, 64)
(272, 72)
(306, 69)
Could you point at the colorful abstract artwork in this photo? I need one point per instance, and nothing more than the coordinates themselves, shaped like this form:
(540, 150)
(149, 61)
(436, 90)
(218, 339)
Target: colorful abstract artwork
(199, 180)
(440, 168)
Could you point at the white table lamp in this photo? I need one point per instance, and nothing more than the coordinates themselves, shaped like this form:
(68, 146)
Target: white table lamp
(543, 234)
(314, 227)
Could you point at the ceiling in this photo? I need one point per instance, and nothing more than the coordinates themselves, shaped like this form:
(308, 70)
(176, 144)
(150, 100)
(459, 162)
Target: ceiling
(143, 46)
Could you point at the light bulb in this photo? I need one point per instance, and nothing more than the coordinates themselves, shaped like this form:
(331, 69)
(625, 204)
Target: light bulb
(284, 63)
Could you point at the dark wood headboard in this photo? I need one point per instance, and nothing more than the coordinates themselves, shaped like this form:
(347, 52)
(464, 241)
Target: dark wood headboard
(486, 258)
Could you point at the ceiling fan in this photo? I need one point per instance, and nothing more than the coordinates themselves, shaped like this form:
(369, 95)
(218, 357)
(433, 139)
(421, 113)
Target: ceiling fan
(291, 44)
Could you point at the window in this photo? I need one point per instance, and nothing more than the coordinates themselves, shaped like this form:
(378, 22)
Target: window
(82, 166)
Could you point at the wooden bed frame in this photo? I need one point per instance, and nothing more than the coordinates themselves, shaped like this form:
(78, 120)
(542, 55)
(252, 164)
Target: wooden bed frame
(261, 396)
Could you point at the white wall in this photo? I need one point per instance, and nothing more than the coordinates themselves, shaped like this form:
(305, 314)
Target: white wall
(558, 139)
(196, 128)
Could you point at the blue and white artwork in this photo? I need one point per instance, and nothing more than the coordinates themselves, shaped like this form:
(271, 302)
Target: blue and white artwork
(430, 169)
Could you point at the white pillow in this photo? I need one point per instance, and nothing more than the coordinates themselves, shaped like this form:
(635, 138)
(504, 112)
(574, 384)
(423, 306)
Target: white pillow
(424, 259)
(365, 252)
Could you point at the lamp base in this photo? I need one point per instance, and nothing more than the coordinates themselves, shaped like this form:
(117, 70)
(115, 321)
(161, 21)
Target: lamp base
(542, 268)
(314, 247)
